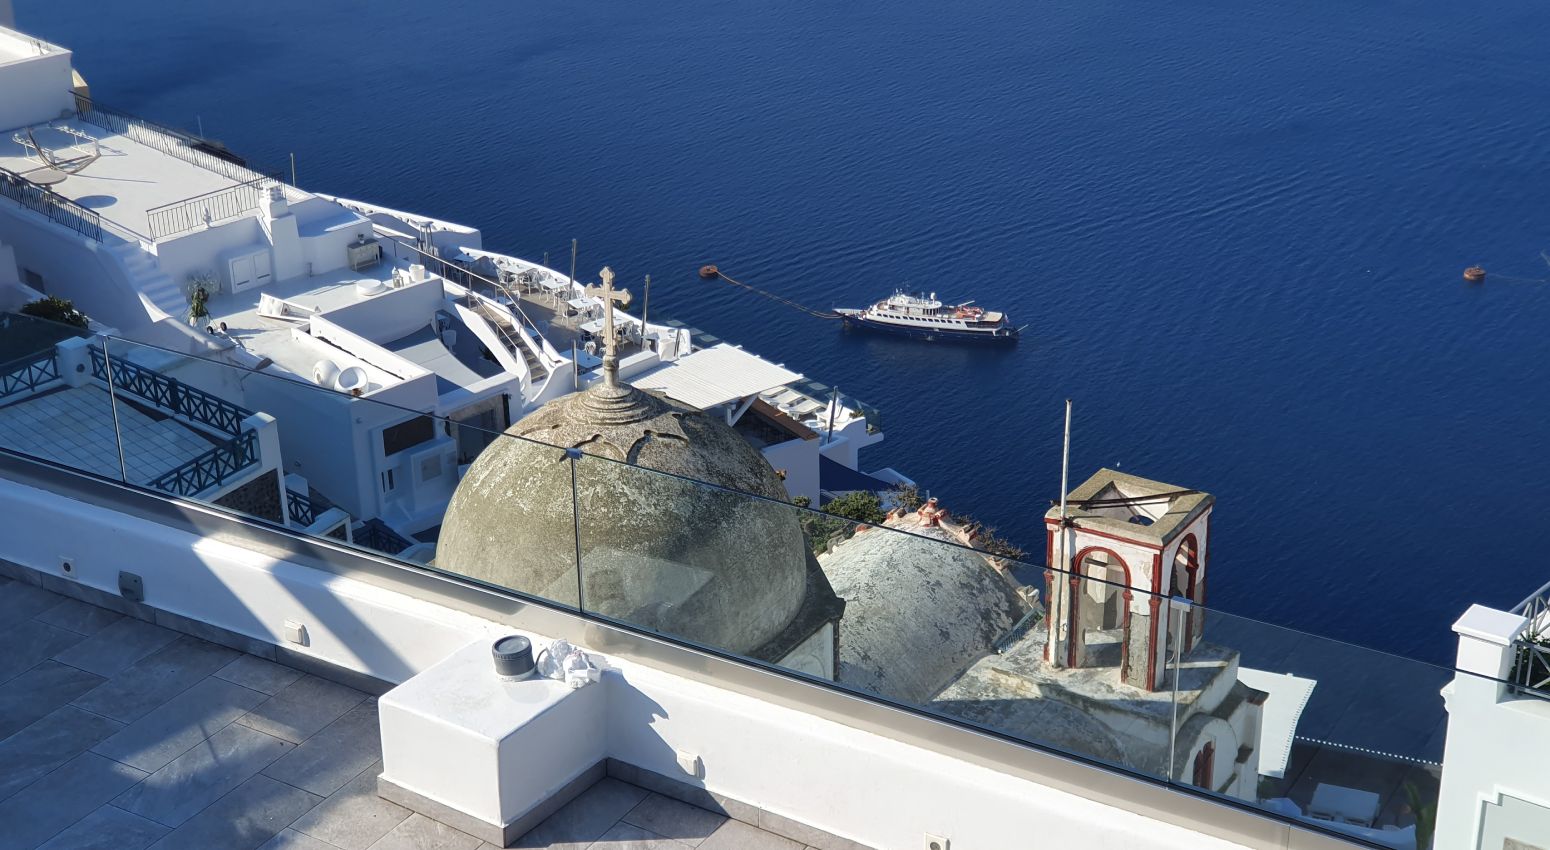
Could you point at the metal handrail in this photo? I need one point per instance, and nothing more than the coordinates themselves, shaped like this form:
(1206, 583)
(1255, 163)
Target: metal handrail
(168, 140)
(376, 535)
(218, 205)
(45, 201)
(170, 394)
(299, 507)
(210, 469)
(443, 265)
(28, 373)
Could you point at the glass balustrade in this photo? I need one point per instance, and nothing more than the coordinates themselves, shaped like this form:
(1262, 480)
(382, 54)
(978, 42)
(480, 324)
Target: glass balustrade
(904, 608)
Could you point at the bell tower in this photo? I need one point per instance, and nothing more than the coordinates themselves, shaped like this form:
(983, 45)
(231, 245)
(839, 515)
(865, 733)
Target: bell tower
(1127, 545)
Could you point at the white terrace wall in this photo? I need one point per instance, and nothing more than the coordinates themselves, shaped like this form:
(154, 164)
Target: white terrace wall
(852, 783)
(34, 87)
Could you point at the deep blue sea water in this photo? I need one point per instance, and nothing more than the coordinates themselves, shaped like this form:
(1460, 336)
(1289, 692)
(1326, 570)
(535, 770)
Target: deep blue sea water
(1236, 232)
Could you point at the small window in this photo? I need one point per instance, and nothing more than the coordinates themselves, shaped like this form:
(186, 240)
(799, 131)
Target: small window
(387, 481)
(407, 435)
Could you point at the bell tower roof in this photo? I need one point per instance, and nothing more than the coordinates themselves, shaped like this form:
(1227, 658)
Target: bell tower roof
(1133, 508)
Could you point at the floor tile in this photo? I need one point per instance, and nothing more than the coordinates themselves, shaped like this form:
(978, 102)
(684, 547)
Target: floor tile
(53, 740)
(153, 680)
(583, 820)
(108, 828)
(328, 760)
(202, 775)
(38, 692)
(354, 816)
(419, 832)
(20, 601)
(626, 836)
(672, 819)
(110, 651)
(80, 617)
(28, 642)
(252, 814)
(290, 839)
(264, 676)
(58, 800)
(736, 835)
(299, 711)
(153, 741)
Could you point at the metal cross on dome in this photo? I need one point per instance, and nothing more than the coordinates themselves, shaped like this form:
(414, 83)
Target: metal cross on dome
(610, 340)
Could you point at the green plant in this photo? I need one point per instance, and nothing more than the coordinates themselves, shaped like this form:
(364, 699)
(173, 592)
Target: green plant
(861, 506)
(1425, 815)
(991, 543)
(907, 496)
(55, 309)
(802, 502)
(200, 285)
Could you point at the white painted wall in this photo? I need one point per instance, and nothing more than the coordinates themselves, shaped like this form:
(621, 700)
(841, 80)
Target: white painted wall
(392, 315)
(799, 458)
(1495, 784)
(852, 783)
(33, 88)
(95, 279)
(203, 249)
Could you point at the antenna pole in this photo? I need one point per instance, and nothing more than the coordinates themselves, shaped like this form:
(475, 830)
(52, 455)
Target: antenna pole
(834, 403)
(645, 307)
(1056, 650)
(573, 268)
(293, 168)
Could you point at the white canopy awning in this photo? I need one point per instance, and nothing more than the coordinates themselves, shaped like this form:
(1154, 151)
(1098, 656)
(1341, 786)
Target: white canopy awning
(1283, 709)
(715, 376)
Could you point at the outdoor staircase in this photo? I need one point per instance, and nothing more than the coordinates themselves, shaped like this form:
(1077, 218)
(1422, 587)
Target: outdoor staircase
(147, 278)
(508, 331)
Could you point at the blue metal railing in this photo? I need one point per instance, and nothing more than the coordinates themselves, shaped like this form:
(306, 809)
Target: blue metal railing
(28, 374)
(301, 509)
(170, 394)
(375, 534)
(212, 468)
(56, 207)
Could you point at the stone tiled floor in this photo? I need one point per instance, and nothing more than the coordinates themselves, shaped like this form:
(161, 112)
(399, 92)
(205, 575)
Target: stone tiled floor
(116, 733)
(75, 427)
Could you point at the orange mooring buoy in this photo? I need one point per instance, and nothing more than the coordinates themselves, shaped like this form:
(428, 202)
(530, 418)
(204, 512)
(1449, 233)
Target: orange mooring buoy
(709, 272)
(1474, 274)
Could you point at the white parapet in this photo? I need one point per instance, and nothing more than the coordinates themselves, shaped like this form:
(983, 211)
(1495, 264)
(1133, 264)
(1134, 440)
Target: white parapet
(1493, 779)
(494, 751)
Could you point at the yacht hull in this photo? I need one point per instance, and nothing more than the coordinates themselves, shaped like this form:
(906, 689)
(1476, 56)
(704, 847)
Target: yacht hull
(860, 322)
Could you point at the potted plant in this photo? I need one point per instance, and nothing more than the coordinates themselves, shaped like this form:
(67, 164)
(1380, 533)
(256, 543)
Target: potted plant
(200, 285)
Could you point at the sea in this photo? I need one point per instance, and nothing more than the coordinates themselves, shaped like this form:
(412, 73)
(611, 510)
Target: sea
(1235, 232)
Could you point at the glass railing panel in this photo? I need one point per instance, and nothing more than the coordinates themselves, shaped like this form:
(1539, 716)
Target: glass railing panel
(377, 476)
(185, 430)
(902, 609)
(1347, 738)
(51, 405)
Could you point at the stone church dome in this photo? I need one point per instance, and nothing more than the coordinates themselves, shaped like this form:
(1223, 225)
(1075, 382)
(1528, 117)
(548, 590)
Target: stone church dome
(658, 551)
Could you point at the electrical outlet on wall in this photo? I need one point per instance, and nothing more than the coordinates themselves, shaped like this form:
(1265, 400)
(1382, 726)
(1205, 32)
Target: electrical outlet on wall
(68, 568)
(935, 842)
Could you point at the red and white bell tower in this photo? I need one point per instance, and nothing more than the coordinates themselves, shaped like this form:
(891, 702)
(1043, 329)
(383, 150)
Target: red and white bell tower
(1128, 545)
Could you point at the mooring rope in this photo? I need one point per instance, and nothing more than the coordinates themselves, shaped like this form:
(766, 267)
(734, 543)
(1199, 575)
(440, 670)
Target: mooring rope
(821, 314)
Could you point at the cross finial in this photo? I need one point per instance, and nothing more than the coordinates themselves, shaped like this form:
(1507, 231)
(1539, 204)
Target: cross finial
(610, 341)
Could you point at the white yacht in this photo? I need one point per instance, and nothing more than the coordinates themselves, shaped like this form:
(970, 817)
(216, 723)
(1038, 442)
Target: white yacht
(922, 316)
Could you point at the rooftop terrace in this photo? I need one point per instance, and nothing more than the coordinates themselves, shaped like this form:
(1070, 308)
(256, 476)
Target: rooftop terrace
(117, 731)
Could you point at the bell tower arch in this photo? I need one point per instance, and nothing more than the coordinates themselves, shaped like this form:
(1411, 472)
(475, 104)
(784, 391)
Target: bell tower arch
(1126, 545)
